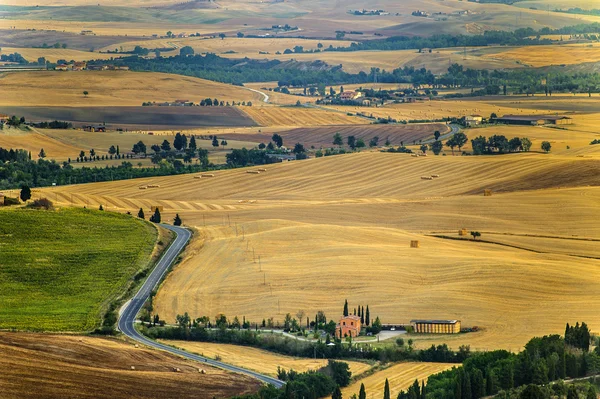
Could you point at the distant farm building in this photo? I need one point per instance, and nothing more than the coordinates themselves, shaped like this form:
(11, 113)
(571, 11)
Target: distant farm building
(88, 33)
(473, 120)
(349, 326)
(535, 120)
(436, 326)
(350, 95)
(93, 128)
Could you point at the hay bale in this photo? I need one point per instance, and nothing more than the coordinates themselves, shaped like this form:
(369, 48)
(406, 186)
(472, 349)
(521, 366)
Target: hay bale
(253, 172)
(143, 187)
(197, 177)
(262, 169)
(136, 346)
(413, 155)
(487, 193)
(176, 370)
(133, 367)
(426, 178)
(462, 232)
(202, 371)
(414, 244)
(435, 176)
(207, 175)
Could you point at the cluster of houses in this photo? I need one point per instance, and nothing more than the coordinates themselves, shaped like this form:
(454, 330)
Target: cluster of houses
(82, 66)
(350, 326)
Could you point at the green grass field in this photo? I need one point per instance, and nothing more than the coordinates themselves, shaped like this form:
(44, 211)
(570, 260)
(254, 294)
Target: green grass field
(58, 269)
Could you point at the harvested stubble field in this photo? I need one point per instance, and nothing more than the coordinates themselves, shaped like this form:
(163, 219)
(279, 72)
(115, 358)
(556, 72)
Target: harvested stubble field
(60, 268)
(400, 377)
(111, 88)
(538, 56)
(299, 116)
(351, 218)
(33, 141)
(322, 136)
(52, 54)
(259, 360)
(60, 366)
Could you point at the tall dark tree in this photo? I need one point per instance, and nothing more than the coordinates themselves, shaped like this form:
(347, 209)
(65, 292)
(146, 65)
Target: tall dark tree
(193, 146)
(352, 142)
(156, 217)
(362, 394)
(386, 389)
(215, 142)
(25, 193)
(367, 316)
(100, 208)
(141, 214)
(178, 142)
(277, 139)
(165, 146)
(177, 220)
(337, 393)
(346, 308)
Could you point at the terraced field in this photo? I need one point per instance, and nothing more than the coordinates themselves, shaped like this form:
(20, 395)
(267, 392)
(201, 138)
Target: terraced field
(262, 361)
(83, 367)
(351, 218)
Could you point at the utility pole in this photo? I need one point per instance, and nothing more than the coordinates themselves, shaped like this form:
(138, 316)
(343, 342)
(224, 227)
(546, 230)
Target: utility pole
(259, 264)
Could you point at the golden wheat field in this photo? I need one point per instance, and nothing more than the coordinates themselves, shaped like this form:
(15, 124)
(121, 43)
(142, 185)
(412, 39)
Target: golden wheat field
(299, 116)
(111, 88)
(52, 54)
(538, 56)
(400, 376)
(259, 360)
(340, 227)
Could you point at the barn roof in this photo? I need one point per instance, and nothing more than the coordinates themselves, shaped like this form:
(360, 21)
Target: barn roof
(435, 321)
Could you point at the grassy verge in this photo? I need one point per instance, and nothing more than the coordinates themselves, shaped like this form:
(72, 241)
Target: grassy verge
(61, 270)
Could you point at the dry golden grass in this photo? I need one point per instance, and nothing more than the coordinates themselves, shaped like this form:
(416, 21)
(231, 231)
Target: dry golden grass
(297, 116)
(34, 141)
(538, 56)
(259, 360)
(111, 88)
(340, 227)
(55, 366)
(400, 376)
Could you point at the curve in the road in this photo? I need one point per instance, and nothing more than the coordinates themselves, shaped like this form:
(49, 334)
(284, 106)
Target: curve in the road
(130, 310)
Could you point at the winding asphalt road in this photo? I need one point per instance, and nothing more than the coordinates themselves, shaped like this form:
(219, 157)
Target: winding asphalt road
(130, 310)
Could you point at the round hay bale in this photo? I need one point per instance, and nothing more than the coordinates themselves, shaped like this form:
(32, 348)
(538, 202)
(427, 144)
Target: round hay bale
(133, 367)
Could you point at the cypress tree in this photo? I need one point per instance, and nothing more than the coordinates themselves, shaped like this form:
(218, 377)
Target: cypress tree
(354, 312)
(141, 214)
(362, 317)
(346, 308)
(386, 390)
(363, 393)
(100, 208)
(367, 316)
(177, 220)
(118, 151)
(156, 217)
(416, 389)
(423, 391)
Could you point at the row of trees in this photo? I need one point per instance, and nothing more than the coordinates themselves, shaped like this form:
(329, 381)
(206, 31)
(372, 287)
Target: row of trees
(500, 144)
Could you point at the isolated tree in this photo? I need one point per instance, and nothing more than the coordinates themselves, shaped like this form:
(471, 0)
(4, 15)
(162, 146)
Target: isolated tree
(100, 208)
(436, 135)
(546, 146)
(25, 193)
(112, 150)
(169, 34)
(475, 234)
(215, 142)
(386, 390)
(277, 139)
(92, 153)
(424, 148)
(337, 139)
(346, 308)
(240, 35)
(177, 220)
(156, 217)
(165, 146)
(436, 147)
(42, 154)
(141, 214)
(360, 143)
(222, 36)
(460, 139)
(352, 142)
(367, 316)
(223, 143)
(374, 142)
